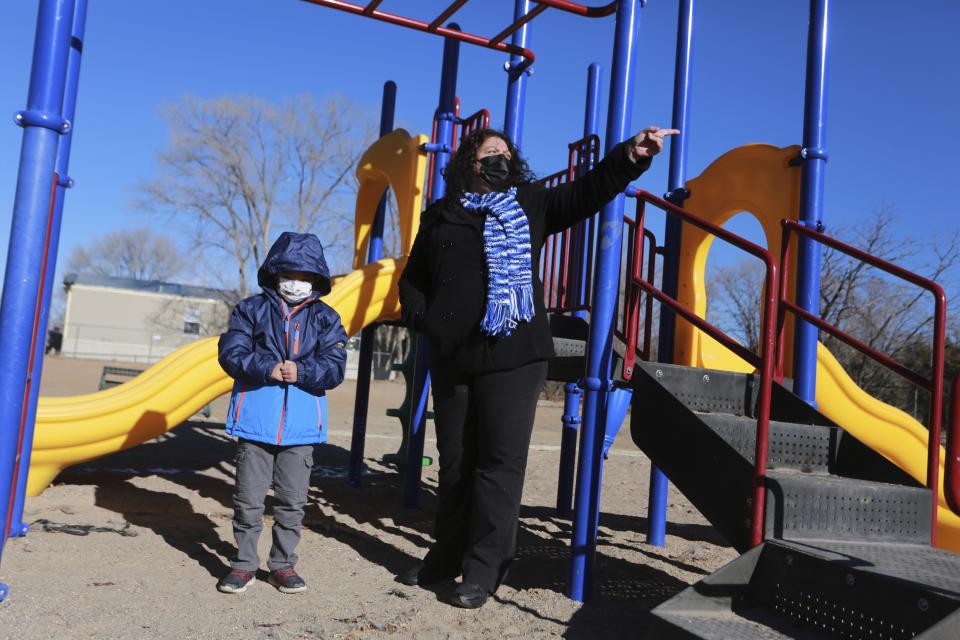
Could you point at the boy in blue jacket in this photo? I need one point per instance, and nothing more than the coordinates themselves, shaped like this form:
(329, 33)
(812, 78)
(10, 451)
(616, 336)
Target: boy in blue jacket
(284, 348)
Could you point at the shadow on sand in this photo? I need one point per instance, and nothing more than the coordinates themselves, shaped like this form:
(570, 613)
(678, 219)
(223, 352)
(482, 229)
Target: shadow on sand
(623, 591)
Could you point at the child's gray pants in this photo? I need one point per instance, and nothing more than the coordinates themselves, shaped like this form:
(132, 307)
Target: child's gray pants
(288, 469)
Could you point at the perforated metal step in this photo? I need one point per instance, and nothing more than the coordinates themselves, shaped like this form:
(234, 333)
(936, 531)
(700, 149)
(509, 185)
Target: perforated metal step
(793, 446)
(717, 625)
(822, 589)
(809, 505)
(937, 569)
(570, 346)
(704, 390)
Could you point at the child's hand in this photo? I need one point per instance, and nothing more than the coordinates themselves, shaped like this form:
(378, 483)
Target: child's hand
(289, 371)
(277, 373)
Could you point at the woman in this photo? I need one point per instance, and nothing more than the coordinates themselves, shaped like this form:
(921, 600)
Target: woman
(471, 286)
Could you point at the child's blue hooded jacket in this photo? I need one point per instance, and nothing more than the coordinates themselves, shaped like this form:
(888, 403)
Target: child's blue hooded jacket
(264, 331)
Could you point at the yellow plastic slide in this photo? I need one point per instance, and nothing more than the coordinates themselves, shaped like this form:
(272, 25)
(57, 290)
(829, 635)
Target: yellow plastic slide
(71, 430)
(763, 180)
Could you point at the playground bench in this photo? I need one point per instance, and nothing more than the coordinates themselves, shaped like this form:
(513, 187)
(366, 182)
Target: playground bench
(109, 378)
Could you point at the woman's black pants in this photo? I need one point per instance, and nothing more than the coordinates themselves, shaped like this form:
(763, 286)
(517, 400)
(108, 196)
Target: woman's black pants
(483, 424)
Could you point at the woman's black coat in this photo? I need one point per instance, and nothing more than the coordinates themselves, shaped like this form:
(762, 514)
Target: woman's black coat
(443, 288)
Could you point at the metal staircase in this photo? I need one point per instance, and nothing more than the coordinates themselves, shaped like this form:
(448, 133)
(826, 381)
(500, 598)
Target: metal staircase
(847, 552)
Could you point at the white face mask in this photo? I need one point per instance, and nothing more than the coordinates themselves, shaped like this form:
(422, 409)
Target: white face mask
(294, 290)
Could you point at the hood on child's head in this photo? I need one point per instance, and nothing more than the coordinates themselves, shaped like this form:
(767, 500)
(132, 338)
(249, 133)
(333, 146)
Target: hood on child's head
(295, 252)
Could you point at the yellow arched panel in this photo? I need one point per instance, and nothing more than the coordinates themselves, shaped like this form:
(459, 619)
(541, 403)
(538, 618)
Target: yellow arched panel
(393, 161)
(756, 178)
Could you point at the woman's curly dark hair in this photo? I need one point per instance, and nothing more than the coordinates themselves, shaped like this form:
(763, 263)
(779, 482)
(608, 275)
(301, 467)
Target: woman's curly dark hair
(459, 172)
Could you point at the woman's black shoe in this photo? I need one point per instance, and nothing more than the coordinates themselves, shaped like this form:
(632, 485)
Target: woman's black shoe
(419, 575)
(411, 577)
(468, 596)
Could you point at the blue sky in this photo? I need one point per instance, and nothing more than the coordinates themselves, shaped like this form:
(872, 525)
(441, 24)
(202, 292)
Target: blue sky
(894, 88)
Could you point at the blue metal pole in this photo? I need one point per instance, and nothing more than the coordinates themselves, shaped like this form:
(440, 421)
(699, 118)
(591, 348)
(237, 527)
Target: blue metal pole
(368, 335)
(571, 402)
(591, 126)
(657, 502)
(597, 382)
(516, 79)
(17, 526)
(43, 125)
(446, 110)
(814, 159)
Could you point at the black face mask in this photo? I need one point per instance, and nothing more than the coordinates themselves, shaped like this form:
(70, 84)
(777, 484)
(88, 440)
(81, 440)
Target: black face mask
(494, 170)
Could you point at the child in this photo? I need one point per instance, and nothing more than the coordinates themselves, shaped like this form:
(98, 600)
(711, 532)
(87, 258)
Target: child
(284, 348)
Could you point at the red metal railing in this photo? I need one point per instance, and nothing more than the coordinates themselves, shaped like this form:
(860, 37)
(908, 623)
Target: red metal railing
(764, 361)
(933, 385)
(466, 126)
(435, 26)
(566, 277)
(555, 258)
(627, 325)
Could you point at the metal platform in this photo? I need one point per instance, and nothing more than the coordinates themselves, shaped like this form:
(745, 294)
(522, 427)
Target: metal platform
(821, 589)
(570, 345)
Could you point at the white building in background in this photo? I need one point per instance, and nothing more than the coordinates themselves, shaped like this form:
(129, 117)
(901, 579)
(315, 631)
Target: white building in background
(141, 321)
(131, 320)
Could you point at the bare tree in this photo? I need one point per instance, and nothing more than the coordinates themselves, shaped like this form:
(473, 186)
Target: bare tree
(239, 170)
(734, 300)
(888, 314)
(129, 253)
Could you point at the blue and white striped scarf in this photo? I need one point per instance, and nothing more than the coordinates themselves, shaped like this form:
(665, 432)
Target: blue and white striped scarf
(506, 248)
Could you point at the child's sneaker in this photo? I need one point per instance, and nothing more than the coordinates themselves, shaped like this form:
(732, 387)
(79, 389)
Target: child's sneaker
(236, 581)
(286, 580)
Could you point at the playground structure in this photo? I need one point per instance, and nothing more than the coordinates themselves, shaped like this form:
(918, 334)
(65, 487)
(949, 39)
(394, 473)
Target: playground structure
(835, 498)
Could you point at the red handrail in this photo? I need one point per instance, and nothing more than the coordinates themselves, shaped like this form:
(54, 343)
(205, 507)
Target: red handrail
(764, 361)
(628, 324)
(933, 385)
(430, 160)
(370, 10)
(551, 254)
(473, 122)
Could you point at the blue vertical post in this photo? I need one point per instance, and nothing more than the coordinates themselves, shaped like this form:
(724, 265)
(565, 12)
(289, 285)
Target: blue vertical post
(516, 78)
(446, 110)
(657, 501)
(597, 382)
(17, 526)
(368, 335)
(591, 126)
(572, 391)
(43, 124)
(814, 159)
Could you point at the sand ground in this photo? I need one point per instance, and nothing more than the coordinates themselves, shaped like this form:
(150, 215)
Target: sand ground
(161, 538)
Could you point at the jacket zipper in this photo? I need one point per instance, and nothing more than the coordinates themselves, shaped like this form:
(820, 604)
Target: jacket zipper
(296, 348)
